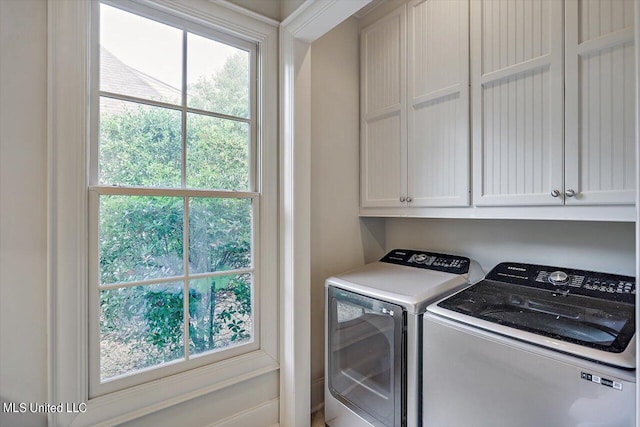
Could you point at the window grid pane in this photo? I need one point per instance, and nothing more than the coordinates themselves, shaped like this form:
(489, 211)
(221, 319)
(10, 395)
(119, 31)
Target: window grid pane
(217, 153)
(139, 56)
(140, 327)
(227, 89)
(139, 145)
(220, 312)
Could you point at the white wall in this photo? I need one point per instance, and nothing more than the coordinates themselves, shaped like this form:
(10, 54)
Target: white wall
(339, 240)
(23, 169)
(599, 246)
(250, 403)
(274, 9)
(287, 7)
(268, 8)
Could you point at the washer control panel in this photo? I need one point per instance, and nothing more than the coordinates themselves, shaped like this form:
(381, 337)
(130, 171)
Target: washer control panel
(428, 260)
(564, 280)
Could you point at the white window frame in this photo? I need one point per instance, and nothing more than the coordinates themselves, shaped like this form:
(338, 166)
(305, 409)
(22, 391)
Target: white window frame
(96, 387)
(69, 94)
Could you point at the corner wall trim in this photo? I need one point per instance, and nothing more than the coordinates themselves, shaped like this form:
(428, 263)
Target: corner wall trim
(310, 21)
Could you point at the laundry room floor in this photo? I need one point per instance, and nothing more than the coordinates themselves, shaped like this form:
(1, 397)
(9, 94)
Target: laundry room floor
(317, 419)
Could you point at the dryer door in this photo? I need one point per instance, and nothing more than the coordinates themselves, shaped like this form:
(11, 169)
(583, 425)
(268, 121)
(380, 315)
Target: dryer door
(365, 356)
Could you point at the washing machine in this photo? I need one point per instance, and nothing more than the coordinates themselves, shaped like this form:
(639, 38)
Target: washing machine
(531, 346)
(373, 335)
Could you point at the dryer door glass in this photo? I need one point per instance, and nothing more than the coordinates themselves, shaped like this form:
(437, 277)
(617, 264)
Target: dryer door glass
(365, 354)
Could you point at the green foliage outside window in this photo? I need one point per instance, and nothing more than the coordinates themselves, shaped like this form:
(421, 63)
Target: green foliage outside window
(142, 237)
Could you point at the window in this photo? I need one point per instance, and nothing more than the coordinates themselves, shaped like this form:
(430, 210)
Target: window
(174, 203)
(74, 286)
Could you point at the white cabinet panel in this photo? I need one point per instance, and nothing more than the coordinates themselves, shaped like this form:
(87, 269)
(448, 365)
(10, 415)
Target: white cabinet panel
(383, 111)
(382, 54)
(517, 142)
(513, 31)
(438, 154)
(517, 82)
(600, 102)
(438, 45)
(382, 162)
(438, 111)
(597, 18)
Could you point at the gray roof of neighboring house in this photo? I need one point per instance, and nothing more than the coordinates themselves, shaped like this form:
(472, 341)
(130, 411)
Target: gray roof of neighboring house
(118, 77)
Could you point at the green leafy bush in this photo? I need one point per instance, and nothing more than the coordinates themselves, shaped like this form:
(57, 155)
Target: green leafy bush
(142, 237)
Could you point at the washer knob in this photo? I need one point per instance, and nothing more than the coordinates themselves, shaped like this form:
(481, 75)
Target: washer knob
(420, 257)
(558, 278)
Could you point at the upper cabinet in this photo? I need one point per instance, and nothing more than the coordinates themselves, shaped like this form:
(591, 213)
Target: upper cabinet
(544, 135)
(600, 102)
(415, 107)
(550, 128)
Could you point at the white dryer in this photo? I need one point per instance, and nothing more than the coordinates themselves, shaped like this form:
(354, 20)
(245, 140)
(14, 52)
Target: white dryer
(374, 333)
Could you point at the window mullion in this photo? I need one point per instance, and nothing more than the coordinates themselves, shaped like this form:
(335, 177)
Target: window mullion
(184, 110)
(121, 285)
(161, 104)
(185, 231)
(185, 249)
(123, 190)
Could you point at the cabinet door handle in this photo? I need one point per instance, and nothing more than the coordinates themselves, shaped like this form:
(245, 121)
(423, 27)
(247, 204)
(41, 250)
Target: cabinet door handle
(570, 193)
(409, 200)
(555, 193)
(402, 199)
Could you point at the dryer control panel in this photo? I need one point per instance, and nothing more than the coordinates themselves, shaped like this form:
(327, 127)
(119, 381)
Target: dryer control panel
(565, 280)
(428, 260)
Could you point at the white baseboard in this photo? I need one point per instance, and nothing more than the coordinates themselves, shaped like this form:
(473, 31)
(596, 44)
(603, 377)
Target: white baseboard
(317, 394)
(266, 414)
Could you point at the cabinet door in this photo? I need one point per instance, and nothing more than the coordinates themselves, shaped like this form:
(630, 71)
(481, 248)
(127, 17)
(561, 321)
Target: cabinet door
(438, 104)
(600, 101)
(517, 91)
(383, 111)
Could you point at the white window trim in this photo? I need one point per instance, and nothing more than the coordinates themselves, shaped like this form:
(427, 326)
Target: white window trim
(310, 21)
(67, 215)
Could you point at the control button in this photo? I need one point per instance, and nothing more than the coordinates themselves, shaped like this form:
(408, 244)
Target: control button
(607, 382)
(420, 257)
(558, 277)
